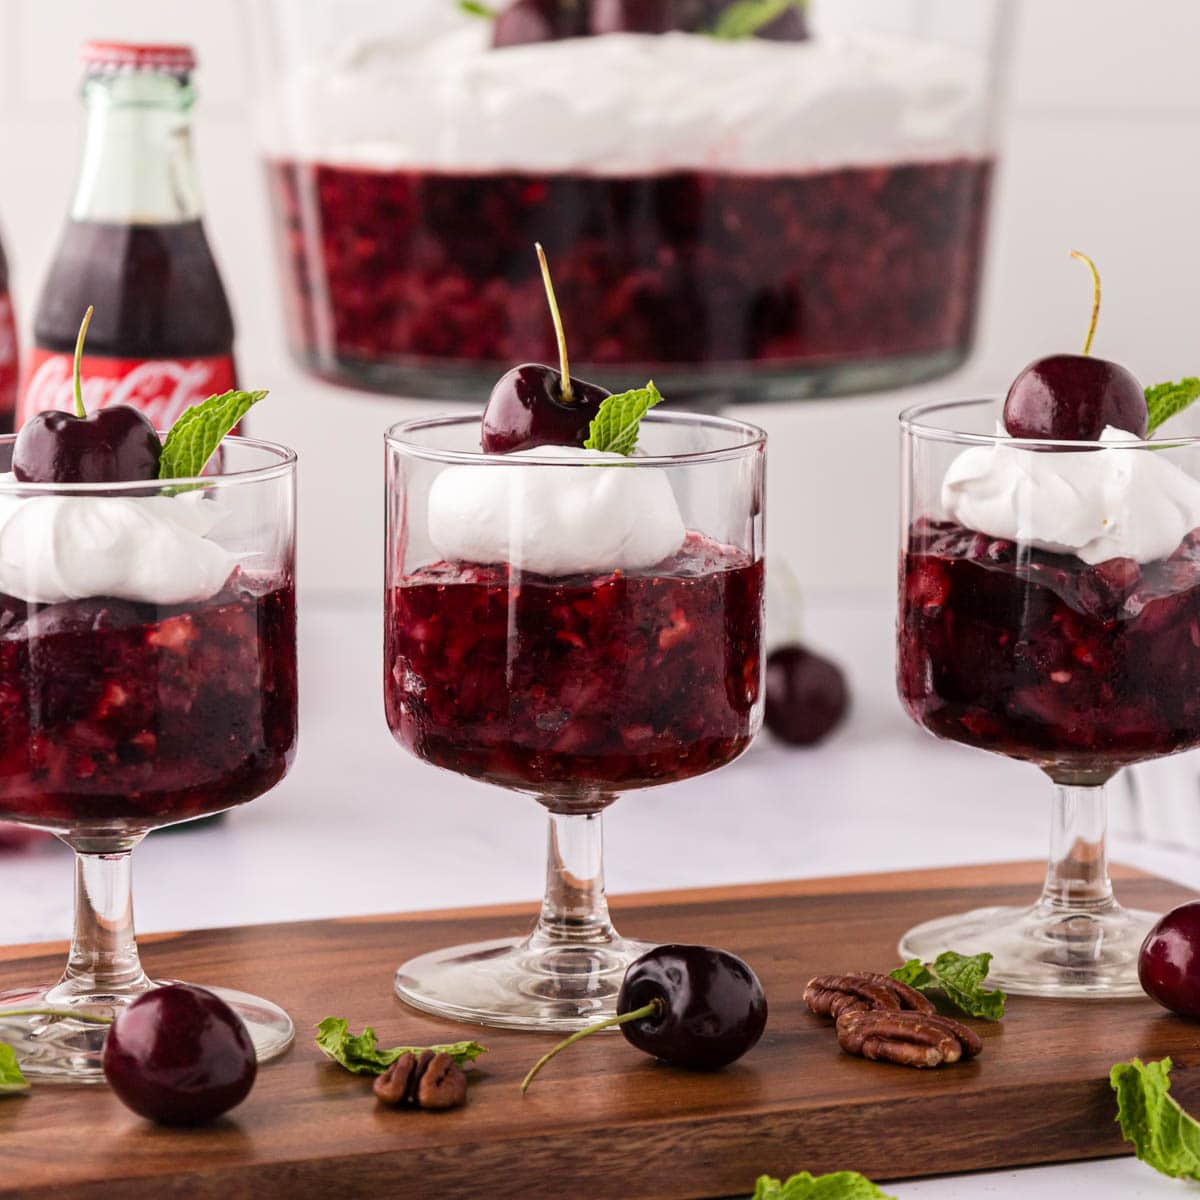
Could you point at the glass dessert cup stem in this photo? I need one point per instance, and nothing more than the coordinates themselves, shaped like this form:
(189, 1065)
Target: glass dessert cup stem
(565, 975)
(103, 975)
(1076, 940)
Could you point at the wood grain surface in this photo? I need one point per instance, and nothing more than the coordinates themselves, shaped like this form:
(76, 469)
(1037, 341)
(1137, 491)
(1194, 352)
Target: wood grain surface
(603, 1122)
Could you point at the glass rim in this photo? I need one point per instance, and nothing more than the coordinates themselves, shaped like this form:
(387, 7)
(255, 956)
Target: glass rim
(912, 423)
(285, 464)
(398, 437)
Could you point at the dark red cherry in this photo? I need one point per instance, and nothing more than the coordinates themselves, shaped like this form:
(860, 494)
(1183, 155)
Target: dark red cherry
(526, 21)
(526, 409)
(179, 1055)
(632, 16)
(1072, 397)
(112, 445)
(690, 1006)
(806, 695)
(709, 1007)
(1169, 961)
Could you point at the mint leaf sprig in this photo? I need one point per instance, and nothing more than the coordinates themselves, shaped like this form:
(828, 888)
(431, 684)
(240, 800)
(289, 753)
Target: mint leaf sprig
(1166, 400)
(615, 426)
(957, 977)
(199, 430)
(840, 1185)
(12, 1082)
(1163, 1135)
(474, 9)
(745, 18)
(361, 1054)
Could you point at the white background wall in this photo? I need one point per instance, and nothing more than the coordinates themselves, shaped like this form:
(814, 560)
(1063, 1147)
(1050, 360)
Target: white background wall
(1102, 152)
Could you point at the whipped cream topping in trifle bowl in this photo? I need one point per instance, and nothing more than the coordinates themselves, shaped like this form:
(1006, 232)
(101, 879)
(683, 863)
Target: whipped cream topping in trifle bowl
(147, 677)
(787, 214)
(1049, 611)
(574, 624)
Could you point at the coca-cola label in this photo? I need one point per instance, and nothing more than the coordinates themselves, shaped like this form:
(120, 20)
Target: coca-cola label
(8, 363)
(161, 387)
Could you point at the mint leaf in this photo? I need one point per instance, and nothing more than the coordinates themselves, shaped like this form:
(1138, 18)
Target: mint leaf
(361, 1054)
(1163, 1135)
(959, 978)
(11, 1080)
(1165, 400)
(199, 430)
(615, 425)
(842, 1185)
(474, 9)
(745, 18)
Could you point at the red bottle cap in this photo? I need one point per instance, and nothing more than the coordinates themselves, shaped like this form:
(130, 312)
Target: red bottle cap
(140, 57)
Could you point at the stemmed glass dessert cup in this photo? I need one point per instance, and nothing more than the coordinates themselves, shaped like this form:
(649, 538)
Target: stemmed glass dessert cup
(1049, 610)
(570, 681)
(147, 677)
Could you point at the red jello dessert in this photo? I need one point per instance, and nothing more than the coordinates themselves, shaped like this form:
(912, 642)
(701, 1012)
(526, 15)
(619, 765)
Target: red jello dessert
(800, 211)
(118, 716)
(1042, 657)
(598, 683)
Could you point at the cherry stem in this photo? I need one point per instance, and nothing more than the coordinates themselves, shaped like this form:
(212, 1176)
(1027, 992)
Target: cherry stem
(66, 1013)
(556, 317)
(1091, 266)
(80, 411)
(653, 1009)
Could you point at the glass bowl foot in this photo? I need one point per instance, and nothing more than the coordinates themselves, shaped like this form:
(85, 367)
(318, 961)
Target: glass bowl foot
(66, 1050)
(517, 983)
(1043, 950)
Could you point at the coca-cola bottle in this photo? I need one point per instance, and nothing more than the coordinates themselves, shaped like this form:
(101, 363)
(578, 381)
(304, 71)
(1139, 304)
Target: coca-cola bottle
(8, 352)
(135, 248)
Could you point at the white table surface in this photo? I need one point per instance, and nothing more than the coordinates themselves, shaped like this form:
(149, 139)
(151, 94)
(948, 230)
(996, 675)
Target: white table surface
(360, 827)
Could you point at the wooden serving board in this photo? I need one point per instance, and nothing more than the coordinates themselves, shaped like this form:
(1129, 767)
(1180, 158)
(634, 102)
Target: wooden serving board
(603, 1122)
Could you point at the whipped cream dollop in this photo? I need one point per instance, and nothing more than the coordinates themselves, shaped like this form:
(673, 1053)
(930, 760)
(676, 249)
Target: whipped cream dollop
(634, 103)
(150, 549)
(556, 519)
(1095, 504)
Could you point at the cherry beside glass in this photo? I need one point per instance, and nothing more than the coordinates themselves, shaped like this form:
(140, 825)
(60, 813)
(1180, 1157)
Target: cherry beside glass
(119, 716)
(571, 689)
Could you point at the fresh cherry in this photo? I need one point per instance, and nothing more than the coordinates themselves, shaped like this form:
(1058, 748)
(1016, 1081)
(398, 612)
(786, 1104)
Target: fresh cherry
(179, 1055)
(1072, 397)
(632, 16)
(1169, 961)
(806, 695)
(690, 1006)
(535, 405)
(114, 445)
(527, 21)
(527, 409)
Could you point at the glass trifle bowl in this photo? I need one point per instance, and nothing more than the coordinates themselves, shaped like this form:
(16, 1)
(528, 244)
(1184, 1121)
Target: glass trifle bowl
(1050, 611)
(147, 677)
(571, 626)
(790, 210)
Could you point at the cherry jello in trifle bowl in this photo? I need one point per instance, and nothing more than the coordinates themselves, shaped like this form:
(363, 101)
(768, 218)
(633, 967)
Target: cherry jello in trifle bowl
(147, 676)
(1050, 612)
(572, 623)
(770, 200)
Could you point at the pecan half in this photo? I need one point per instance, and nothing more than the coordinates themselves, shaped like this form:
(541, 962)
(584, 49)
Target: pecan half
(443, 1085)
(913, 1039)
(392, 1086)
(430, 1080)
(862, 991)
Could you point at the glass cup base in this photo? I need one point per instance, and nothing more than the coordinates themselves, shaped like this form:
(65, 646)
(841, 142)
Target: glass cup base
(62, 1050)
(516, 983)
(1043, 950)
